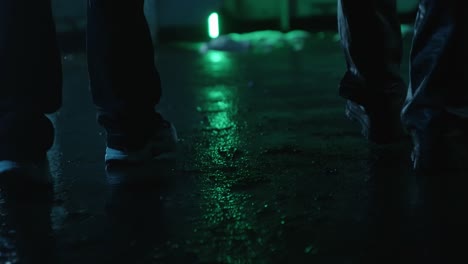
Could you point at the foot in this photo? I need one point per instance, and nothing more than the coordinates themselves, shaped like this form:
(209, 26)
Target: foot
(376, 105)
(379, 124)
(25, 139)
(442, 145)
(162, 144)
(25, 172)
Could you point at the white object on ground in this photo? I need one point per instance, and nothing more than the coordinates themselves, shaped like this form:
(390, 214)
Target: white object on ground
(262, 41)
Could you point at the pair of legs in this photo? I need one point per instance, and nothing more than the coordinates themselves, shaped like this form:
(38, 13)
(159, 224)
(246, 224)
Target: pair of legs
(372, 42)
(124, 82)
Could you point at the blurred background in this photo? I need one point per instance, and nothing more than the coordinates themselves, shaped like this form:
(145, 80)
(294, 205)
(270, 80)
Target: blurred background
(187, 19)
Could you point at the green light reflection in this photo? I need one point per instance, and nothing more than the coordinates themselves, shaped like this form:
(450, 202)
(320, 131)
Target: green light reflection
(216, 56)
(227, 217)
(218, 64)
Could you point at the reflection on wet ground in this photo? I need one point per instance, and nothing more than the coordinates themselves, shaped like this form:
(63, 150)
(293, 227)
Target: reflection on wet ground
(268, 171)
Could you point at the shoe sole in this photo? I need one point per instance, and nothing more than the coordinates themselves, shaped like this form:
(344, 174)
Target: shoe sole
(36, 173)
(153, 150)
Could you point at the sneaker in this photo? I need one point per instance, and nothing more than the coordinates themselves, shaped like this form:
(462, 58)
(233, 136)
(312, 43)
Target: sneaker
(163, 144)
(156, 173)
(26, 172)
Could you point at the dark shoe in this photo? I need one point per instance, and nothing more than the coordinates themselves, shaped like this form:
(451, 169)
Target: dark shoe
(376, 110)
(26, 173)
(25, 137)
(156, 173)
(442, 145)
(379, 123)
(163, 143)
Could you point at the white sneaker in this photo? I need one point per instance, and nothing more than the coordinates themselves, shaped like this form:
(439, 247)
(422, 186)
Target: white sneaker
(37, 172)
(162, 145)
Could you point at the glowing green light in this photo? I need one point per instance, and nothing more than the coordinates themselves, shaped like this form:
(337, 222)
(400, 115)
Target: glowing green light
(213, 25)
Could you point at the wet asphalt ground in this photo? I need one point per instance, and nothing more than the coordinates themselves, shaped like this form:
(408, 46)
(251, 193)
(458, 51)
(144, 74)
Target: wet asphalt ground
(268, 170)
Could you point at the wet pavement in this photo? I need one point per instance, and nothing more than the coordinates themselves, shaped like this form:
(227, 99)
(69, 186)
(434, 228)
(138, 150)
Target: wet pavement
(268, 170)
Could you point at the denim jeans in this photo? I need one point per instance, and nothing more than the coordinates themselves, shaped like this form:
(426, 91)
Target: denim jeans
(371, 38)
(124, 81)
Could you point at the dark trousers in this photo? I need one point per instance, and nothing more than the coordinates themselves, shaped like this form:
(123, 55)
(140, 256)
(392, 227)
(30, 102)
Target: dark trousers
(124, 82)
(371, 38)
